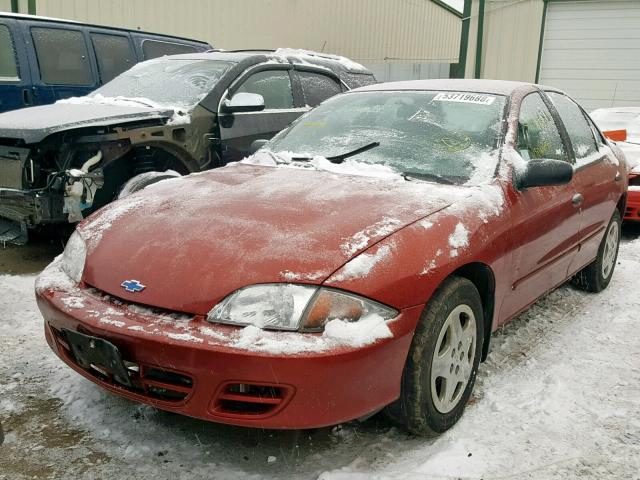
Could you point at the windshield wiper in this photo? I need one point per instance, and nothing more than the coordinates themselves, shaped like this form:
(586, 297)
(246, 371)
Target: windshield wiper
(341, 158)
(427, 176)
(136, 100)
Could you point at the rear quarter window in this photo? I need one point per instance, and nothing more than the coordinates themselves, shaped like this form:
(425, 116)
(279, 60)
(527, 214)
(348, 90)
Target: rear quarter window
(8, 67)
(62, 56)
(355, 80)
(156, 48)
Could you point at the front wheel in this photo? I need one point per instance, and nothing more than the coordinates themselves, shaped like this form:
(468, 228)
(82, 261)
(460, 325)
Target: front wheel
(596, 276)
(443, 360)
(143, 180)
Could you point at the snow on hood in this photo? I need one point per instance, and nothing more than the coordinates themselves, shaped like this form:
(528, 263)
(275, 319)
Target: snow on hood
(33, 124)
(195, 239)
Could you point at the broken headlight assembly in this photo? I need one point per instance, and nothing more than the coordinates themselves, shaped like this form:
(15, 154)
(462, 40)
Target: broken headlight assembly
(286, 306)
(74, 256)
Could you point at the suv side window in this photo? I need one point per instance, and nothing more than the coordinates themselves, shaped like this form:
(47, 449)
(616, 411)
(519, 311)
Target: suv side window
(273, 85)
(156, 48)
(62, 56)
(317, 87)
(538, 135)
(113, 53)
(8, 66)
(576, 124)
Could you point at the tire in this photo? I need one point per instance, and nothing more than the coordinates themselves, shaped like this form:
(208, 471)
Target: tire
(596, 276)
(143, 180)
(423, 408)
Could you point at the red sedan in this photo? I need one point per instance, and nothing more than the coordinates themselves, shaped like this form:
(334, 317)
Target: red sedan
(357, 262)
(623, 125)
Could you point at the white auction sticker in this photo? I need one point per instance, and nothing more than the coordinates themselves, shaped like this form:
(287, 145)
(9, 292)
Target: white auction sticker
(464, 97)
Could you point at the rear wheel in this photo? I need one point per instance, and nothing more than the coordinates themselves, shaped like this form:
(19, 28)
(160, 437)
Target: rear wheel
(596, 276)
(443, 360)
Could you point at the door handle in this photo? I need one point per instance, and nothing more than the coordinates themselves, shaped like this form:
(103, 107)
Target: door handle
(577, 199)
(26, 97)
(618, 177)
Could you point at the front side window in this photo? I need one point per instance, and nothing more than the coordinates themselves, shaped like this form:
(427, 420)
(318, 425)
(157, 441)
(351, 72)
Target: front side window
(576, 125)
(273, 85)
(317, 87)
(451, 137)
(167, 81)
(155, 48)
(114, 55)
(538, 135)
(8, 67)
(62, 56)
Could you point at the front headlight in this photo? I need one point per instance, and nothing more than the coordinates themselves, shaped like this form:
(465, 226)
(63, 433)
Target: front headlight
(285, 306)
(74, 256)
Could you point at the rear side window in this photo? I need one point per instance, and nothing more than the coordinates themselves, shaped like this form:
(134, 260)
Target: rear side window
(317, 87)
(62, 56)
(113, 53)
(576, 124)
(8, 67)
(155, 48)
(273, 85)
(538, 135)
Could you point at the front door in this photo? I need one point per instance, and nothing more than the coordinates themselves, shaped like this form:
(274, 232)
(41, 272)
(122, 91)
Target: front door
(15, 77)
(545, 220)
(239, 130)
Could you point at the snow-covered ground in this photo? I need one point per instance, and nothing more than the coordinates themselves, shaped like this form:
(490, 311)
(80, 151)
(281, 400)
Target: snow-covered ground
(559, 398)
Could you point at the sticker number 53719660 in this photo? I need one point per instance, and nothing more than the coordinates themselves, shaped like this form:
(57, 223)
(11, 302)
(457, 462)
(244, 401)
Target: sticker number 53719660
(464, 97)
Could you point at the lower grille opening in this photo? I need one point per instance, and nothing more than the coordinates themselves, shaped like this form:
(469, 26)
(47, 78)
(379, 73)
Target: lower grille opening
(249, 399)
(149, 381)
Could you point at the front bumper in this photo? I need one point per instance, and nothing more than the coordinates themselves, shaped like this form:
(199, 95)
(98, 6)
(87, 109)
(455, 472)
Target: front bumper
(632, 212)
(188, 365)
(31, 208)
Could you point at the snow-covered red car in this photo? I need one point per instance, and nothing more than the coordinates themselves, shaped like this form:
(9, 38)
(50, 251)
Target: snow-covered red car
(357, 262)
(622, 124)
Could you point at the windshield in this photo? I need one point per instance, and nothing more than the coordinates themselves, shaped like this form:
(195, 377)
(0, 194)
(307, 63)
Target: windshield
(443, 136)
(166, 81)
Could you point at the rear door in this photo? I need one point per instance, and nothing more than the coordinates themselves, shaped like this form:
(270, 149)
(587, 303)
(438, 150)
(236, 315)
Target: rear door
(318, 85)
(61, 64)
(15, 77)
(594, 177)
(239, 130)
(546, 220)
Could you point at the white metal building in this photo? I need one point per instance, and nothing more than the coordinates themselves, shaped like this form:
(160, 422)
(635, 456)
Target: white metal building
(396, 39)
(589, 48)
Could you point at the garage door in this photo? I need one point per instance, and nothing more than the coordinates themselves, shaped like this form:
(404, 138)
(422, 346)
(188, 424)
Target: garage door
(591, 50)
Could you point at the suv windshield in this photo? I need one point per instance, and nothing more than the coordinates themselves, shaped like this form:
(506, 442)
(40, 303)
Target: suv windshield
(442, 136)
(166, 81)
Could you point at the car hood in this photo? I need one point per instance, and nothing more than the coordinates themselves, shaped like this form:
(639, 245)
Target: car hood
(35, 123)
(191, 241)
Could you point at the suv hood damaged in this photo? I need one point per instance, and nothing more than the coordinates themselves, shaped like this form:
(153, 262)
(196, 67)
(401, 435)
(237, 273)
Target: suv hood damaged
(34, 124)
(215, 232)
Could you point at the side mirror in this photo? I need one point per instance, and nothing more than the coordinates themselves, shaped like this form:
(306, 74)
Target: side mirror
(244, 102)
(545, 173)
(257, 145)
(616, 135)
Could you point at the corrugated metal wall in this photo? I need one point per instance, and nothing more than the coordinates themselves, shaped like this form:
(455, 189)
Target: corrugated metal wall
(368, 31)
(510, 39)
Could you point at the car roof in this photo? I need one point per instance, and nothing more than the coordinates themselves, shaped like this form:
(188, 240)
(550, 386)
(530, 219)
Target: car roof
(38, 18)
(495, 87)
(281, 55)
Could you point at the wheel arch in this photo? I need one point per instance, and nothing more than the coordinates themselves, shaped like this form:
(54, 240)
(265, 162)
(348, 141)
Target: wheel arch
(481, 275)
(621, 206)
